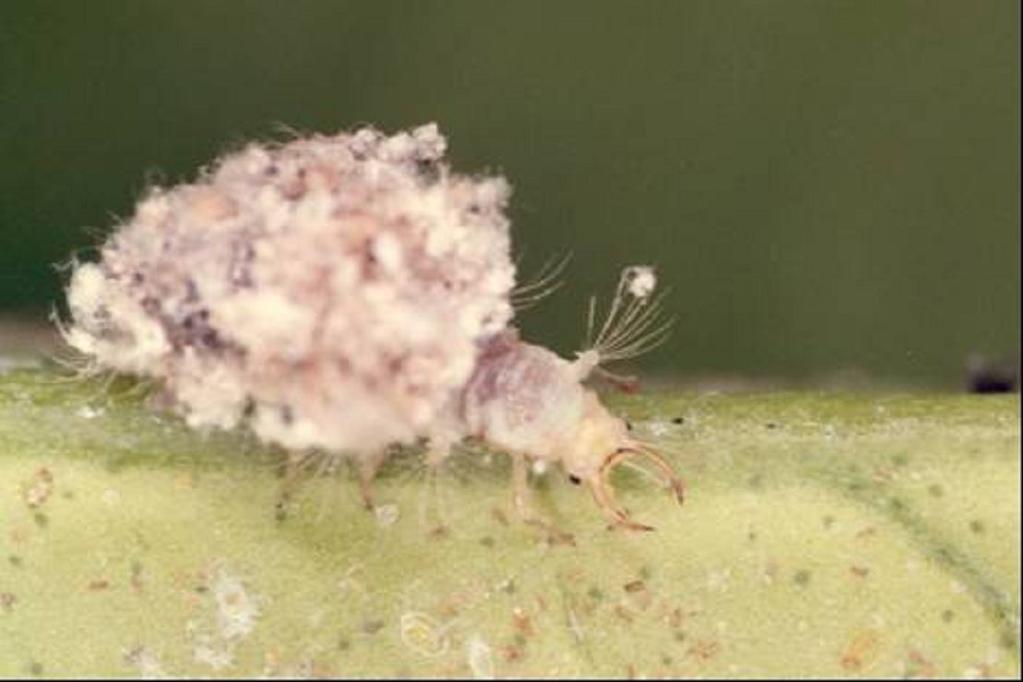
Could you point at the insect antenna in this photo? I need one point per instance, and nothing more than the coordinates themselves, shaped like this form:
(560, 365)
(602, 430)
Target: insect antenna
(541, 285)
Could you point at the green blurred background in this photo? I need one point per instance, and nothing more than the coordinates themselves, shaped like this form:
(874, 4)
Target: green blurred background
(826, 186)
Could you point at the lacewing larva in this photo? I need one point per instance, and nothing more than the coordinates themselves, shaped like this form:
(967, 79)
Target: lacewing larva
(346, 293)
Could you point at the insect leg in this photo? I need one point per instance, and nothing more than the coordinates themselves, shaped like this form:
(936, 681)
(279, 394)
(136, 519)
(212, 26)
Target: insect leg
(520, 487)
(293, 467)
(368, 466)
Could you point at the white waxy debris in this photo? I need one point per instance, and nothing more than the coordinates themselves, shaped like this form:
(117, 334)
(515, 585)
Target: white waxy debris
(89, 412)
(642, 281)
(480, 658)
(306, 289)
(237, 610)
(386, 514)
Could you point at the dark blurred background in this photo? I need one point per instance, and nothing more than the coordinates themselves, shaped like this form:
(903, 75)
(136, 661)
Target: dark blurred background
(828, 187)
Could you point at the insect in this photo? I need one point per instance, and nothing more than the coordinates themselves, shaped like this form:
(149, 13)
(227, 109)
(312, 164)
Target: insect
(342, 294)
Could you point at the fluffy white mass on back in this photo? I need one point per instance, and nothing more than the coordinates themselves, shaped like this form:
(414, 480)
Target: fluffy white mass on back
(332, 291)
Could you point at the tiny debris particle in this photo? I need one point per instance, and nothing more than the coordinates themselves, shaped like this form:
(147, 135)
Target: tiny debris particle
(372, 626)
(559, 538)
(136, 576)
(641, 281)
(36, 668)
(89, 412)
(623, 613)
(146, 662)
(99, 585)
(935, 490)
(480, 658)
(802, 577)
(704, 649)
(861, 650)
(237, 610)
(343, 644)
(919, 667)
(386, 514)
(41, 519)
(639, 595)
(859, 571)
(771, 425)
(487, 541)
(511, 653)
(39, 488)
(14, 560)
(215, 658)
(948, 615)
(678, 420)
(522, 621)
(977, 526)
(422, 634)
(499, 516)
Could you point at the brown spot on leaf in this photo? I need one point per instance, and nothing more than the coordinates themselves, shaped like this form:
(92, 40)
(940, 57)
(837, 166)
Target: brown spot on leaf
(372, 626)
(38, 489)
(861, 650)
(136, 576)
(638, 593)
(522, 621)
(499, 516)
(918, 666)
(623, 613)
(704, 649)
(859, 571)
(511, 653)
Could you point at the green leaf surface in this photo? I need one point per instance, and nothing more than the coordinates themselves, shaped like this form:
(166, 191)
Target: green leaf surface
(825, 534)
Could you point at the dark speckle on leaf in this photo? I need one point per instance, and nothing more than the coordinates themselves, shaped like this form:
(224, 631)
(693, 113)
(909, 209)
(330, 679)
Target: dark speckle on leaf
(372, 626)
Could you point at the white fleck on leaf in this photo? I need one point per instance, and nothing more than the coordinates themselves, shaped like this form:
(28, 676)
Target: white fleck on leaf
(423, 634)
(386, 514)
(480, 658)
